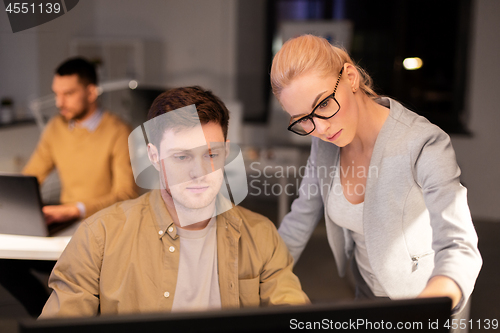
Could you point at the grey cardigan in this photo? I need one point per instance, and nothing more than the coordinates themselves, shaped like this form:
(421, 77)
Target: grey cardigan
(416, 218)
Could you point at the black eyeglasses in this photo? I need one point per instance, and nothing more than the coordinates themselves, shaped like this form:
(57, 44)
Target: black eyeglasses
(323, 110)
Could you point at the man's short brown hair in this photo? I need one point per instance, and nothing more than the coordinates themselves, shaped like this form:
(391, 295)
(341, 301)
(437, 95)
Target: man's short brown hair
(208, 106)
(84, 69)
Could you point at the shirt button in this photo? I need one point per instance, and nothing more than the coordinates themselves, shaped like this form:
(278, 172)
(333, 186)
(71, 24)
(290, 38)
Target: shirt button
(166, 294)
(160, 232)
(170, 229)
(171, 249)
(231, 285)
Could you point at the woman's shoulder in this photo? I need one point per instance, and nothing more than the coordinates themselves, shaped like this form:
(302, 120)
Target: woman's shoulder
(415, 137)
(410, 119)
(411, 127)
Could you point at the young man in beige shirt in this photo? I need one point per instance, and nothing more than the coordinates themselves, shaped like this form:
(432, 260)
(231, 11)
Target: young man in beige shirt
(182, 246)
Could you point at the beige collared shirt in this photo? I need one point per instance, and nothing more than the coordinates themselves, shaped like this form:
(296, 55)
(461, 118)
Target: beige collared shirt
(125, 259)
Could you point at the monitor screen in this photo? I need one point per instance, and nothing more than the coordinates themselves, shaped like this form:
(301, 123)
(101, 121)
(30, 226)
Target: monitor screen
(365, 316)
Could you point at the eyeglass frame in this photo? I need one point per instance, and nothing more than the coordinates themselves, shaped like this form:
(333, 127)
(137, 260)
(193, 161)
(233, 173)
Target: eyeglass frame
(312, 114)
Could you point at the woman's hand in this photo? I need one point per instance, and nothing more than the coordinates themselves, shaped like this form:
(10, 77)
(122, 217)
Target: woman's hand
(440, 286)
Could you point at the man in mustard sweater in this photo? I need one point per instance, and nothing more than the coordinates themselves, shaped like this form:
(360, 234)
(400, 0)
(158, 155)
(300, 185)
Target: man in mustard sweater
(89, 149)
(87, 146)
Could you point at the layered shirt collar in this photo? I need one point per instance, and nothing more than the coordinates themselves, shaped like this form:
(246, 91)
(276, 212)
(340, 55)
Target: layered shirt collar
(90, 124)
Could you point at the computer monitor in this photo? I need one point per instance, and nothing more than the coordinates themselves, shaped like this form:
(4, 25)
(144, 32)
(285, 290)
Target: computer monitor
(366, 316)
(141, 99)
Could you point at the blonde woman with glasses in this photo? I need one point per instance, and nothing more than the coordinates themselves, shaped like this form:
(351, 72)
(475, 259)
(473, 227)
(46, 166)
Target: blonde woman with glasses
(385, 179)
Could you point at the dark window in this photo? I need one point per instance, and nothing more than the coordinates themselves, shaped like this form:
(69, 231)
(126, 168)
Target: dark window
(387, 32)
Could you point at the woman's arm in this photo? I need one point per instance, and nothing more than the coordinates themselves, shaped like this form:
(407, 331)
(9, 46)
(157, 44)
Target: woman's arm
(298, 225)
(457, 261)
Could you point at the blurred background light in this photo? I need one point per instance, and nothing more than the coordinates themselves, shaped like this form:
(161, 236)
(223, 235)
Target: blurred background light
(412, 63)
(133, 84)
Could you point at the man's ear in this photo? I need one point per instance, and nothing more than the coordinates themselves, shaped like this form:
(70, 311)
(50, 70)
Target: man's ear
(92, 93)
(154, 156)
(228, 148)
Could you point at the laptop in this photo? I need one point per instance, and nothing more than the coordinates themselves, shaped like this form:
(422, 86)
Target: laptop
(21, 208)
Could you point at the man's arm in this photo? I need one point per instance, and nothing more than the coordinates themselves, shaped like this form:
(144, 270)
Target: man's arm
(124, 186)
(41, 162)
(40, 165)
(75, 278)
(278, 284)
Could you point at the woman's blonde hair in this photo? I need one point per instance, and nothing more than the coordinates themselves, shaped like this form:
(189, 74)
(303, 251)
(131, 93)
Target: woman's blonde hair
(311, 53)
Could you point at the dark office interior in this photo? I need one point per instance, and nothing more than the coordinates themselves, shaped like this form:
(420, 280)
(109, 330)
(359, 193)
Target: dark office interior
(228, 46)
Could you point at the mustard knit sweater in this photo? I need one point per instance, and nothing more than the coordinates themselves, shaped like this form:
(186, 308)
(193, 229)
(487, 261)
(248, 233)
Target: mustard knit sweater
(94, 167)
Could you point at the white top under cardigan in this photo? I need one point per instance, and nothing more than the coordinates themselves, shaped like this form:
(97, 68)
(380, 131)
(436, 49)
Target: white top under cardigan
(416, 219)
(350, 216)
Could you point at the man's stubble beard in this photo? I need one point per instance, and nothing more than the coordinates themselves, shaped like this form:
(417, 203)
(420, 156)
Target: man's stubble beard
(190, 202)
(82, 114)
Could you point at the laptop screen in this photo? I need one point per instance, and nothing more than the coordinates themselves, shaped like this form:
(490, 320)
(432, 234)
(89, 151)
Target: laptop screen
(20, 206)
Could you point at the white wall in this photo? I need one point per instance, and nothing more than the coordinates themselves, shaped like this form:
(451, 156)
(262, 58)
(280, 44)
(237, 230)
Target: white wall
(16, 145)
(479, 156)
(196, 42)
(198, 37)
(54, 37)
(18, 63)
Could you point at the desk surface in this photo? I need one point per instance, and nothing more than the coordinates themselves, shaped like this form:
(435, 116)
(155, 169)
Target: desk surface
(35, 248)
